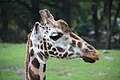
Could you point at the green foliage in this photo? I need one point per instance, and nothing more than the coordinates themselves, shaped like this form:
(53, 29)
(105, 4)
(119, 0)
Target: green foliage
(84, 16)
(83, 19)
(107, 68)
(83, 28)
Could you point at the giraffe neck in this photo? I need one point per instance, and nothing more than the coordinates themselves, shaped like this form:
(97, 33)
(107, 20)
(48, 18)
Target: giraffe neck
(37, 74)
(34, 69)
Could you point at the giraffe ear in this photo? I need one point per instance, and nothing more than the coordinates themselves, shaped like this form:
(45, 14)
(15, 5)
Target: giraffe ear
(36, 26)
(64, 25)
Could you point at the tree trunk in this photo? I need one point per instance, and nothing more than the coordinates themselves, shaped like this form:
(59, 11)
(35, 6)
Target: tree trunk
(110, 30)
(23, 25)
(65, 10)
(4, 19)
(35, 10)
(109, 6)
(96, 21)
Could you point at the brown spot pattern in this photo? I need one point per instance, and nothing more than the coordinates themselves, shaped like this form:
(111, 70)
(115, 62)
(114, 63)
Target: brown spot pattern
(65, 55)
(44, 78)
(35, 63)
(38, 46)
(73, 42)
(53, 49)
(32, 75)
(60, 49)
(60, 55)
(74, 36)
(51, 52)
(31, 52)
(55, 53)
(44, 68)
(79, 44)
(40, 55)
(41, 47)
(46, 54)
(49, 46)
(70, 55)
(44, 39)
(45, 47)
(90, 47)
(71, 49)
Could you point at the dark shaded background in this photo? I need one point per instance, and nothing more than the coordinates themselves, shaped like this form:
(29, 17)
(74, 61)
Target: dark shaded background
(96, 21)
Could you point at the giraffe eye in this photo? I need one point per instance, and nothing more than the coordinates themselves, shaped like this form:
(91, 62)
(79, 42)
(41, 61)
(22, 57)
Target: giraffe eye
(56, 36)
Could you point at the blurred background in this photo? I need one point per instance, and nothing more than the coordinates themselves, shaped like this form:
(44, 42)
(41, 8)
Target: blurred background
(96, 21)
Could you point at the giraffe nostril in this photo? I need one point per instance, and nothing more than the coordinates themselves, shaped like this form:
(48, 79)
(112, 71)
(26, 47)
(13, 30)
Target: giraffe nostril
(86, 50)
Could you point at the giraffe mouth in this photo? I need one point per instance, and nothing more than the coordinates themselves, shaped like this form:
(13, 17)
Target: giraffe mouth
(90, 58)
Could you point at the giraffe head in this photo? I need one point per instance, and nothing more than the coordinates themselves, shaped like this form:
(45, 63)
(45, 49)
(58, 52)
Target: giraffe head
(54, 38)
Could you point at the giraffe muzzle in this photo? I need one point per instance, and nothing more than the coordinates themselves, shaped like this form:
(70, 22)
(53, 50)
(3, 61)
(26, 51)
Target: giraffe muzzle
(90, 58)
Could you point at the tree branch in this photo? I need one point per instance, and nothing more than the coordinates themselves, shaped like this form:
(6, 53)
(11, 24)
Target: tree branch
(114, 23)
(24, 4)
(50, 4)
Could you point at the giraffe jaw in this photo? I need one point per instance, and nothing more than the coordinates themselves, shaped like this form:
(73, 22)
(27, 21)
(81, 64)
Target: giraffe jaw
(90, 58)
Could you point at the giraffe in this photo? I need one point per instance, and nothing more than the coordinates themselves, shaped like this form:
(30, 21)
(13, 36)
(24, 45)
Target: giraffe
(53, 38)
